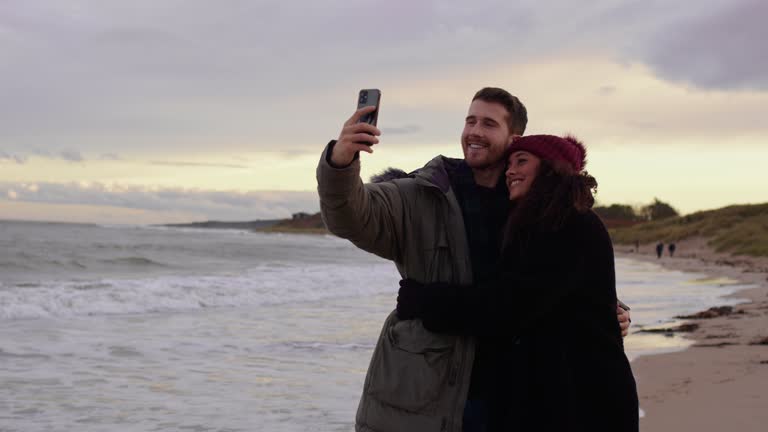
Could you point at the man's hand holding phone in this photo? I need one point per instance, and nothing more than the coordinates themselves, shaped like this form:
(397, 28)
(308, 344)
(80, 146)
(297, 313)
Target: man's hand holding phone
(354, 137)
(360, 131)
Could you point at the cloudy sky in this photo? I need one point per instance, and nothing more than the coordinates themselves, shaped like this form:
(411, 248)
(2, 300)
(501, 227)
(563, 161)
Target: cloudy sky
(169, 110)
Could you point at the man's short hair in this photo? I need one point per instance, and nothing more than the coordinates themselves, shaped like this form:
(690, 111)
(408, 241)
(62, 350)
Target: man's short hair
(518, 115)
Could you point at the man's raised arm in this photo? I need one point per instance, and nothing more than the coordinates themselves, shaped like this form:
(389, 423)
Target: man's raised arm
(368, 215)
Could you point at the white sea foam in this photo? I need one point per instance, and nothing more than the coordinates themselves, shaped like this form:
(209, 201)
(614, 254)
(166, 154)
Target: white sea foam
(269, 284)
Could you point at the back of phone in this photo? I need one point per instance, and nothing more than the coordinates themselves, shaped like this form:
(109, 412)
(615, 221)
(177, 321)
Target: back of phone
(369, 97)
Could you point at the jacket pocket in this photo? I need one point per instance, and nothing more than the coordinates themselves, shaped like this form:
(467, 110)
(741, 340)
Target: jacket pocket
(413, 367)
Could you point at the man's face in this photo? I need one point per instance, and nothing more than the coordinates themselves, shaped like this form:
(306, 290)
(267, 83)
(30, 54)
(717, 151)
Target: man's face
(486, 134)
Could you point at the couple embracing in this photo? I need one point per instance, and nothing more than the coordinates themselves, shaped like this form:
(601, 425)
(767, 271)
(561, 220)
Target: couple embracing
(507, 316)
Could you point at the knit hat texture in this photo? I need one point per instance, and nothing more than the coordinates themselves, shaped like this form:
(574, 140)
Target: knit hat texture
(553, 148)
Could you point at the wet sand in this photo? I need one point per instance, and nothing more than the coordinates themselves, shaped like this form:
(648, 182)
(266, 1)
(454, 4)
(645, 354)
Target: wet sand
(721, 381)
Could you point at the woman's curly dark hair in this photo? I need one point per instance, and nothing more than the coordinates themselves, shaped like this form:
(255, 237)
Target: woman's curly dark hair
(555, 194)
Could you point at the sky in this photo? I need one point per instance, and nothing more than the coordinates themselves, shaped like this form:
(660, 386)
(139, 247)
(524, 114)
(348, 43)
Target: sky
(178, 111)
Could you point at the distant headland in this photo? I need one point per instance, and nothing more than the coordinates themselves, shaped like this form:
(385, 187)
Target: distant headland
(737, 229)
(303, 223)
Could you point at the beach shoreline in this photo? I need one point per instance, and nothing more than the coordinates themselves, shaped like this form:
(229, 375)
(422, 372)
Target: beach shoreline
(720, 381)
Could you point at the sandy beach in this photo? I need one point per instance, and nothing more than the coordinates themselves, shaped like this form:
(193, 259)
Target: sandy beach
(721, 381)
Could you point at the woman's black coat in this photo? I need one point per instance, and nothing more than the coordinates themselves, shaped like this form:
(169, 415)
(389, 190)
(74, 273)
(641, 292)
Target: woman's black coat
(550, 316)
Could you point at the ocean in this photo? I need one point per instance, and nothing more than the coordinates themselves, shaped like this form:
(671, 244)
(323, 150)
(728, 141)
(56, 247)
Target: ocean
(140, 328)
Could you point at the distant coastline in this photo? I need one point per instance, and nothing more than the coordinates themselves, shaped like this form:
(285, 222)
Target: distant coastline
(247, 225)
(737, 229)
(299, 223)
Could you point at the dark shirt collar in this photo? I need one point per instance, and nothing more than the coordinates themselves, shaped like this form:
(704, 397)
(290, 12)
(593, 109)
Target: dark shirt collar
(463, 177)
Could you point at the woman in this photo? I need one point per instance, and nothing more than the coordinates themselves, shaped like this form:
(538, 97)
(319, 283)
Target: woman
(556, 261)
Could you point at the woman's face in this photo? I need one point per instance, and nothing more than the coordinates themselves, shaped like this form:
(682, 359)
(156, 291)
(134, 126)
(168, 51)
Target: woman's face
(522, 169)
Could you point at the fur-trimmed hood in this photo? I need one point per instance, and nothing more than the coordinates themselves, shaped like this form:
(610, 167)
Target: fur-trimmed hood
(436, 172)
(389, 174)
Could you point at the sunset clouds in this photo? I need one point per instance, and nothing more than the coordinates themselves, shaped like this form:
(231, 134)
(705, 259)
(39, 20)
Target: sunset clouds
(242, 96)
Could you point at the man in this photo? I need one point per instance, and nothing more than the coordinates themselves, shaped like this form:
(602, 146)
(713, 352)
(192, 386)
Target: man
(442, 223)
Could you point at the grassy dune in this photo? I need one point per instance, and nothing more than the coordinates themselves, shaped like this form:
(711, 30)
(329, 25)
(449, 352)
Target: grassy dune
(738, 229)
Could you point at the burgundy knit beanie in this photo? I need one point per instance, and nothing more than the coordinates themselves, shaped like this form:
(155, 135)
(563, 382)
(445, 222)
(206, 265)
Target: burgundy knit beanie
(553, 148)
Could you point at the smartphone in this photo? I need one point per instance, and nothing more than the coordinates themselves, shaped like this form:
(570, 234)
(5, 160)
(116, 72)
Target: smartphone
(369, 97)
(622, 304)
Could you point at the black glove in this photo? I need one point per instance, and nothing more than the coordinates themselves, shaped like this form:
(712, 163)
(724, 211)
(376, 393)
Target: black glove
(410, 299)
(440, 306)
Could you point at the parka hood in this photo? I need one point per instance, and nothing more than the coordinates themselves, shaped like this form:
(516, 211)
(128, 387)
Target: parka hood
(436, 173)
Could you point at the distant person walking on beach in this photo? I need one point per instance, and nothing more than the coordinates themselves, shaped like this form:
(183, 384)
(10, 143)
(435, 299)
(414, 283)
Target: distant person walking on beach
(443, 223)
(659, 249)
(672, 248)
(557, 259)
